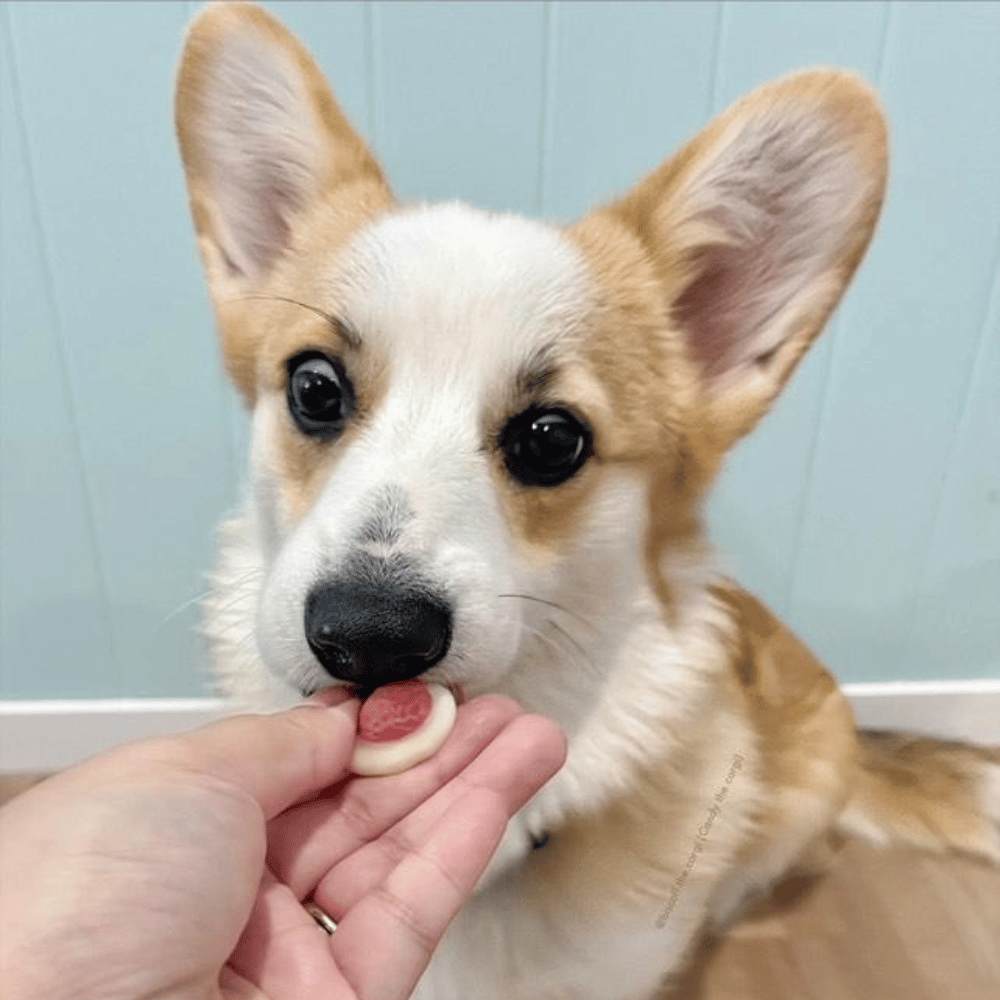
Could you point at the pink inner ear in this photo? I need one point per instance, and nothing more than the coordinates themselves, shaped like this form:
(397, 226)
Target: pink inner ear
(705, 309)
(727, 309)
(782, 195)
(257, 209)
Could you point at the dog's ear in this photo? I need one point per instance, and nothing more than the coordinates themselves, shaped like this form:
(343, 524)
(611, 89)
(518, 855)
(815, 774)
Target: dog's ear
(263, 143)
(755, 228)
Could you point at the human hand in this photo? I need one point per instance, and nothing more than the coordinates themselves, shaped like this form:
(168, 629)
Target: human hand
(177, 867)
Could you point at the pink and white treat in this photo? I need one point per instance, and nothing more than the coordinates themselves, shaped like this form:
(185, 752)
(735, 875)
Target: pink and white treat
(400, 725)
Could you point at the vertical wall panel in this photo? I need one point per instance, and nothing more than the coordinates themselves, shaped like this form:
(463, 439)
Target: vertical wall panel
(460, 112)
(902, 365)
(756, 517)
(632, 81)
(141, 359)
(956, 620)
(55, 634)
(760, 41)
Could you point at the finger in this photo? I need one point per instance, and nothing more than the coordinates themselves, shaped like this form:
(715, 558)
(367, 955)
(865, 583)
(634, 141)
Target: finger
(305, 842)
(277, 759)
(331, 697)
(283, 952)
(383, 944)
(233, 986)
(528, 751)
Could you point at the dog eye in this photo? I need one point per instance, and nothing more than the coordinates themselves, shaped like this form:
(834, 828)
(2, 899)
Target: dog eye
(319, 395)
(545, 447)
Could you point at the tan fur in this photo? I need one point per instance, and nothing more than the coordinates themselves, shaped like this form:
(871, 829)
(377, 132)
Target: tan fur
(643, 363)
(766, 757)
(804, 721)
(932, 794)
(307, 463)
(541, 522)
(241, 332)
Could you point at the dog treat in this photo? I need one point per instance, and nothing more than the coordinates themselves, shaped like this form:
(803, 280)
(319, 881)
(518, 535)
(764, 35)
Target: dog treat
(400, 725)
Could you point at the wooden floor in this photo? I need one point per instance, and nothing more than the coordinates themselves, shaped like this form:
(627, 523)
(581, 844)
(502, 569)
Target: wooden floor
(883, 925)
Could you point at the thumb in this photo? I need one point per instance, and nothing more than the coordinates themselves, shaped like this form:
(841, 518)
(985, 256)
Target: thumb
(277, 759)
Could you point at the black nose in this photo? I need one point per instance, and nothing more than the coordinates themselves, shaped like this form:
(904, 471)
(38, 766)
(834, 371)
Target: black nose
(373, 633)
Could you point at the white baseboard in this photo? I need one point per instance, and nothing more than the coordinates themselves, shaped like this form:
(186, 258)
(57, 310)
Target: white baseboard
(48, 735)
(958, 710)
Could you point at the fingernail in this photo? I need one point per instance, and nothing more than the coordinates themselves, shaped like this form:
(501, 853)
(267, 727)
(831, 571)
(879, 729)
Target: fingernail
(330, 697)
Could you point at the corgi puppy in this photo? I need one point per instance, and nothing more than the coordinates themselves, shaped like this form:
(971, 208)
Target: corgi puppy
(480, 451)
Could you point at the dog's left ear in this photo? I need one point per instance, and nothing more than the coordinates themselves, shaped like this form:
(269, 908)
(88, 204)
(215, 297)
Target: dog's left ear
(755, 228)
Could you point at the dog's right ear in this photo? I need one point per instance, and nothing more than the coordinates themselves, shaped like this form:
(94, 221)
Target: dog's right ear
(263, 142)
(754, 229)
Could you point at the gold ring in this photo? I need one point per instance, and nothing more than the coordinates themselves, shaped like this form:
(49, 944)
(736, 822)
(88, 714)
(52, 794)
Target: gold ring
(320, 916)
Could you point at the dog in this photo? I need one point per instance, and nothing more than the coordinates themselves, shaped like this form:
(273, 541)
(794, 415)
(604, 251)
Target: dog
(480, 451)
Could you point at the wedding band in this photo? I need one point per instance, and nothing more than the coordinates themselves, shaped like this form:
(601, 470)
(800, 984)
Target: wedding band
(321, 917)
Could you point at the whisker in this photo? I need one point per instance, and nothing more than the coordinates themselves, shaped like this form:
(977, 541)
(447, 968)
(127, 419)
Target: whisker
(242, 639)
(538, 634)
(573, 651)
(552, 604)
(568, 638)
(238, 595)
(575, 654)
(339, 325)
(237, 586)
(183, 607)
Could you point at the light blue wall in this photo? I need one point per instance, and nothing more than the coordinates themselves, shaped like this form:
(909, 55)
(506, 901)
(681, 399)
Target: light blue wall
(867, 509)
